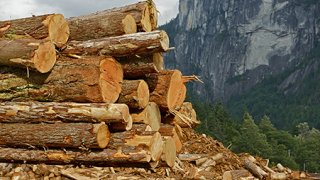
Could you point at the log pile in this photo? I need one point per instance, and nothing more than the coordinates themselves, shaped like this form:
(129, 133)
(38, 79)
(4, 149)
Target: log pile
(92, 91)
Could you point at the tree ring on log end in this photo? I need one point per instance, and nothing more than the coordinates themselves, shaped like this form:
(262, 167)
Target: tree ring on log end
(156, 146)
(58, 29)
(103, 136)
(169, 151)
(164, 40)
(143, 94)
(145, 20)
(158, 61)
(176, 85)
(129, 24)
(45, 57)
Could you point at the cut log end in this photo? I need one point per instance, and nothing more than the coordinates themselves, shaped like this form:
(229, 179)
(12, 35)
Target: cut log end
(154, 116)
(158, 61)
(103, 135)
(156, 146)
(164, 40)
(45, 57)
(58, 29)
(176, 92)
(129, 24)
(110, 79)
(143, 94)
(145, 20)
(169, 152)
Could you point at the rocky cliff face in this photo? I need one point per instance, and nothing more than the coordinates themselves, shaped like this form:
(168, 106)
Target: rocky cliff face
(234, 44)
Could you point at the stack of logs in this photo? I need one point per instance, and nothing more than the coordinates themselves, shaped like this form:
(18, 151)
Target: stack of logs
(90, 90)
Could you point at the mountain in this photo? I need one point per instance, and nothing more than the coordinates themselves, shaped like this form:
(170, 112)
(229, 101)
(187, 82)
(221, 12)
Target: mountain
(257, 55)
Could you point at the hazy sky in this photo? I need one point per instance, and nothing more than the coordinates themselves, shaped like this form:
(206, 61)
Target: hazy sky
(12, 9)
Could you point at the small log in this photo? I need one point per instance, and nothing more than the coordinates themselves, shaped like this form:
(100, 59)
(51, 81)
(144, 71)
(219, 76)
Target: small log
(135, 93)
(254, 169)
(235, 174)
(135, 67)
(169, 131)
(89, 79)
(191, 157)
(101, 24)
(279, 176)
(280, 167)
(185, 117)
(151, 141)
(119, 46)
(52, 27)
(167, 89)
(38, 112)
(34, 54)
(144, 13)
(169, 152)
(150, 115)
(103, 158)
(72, 135)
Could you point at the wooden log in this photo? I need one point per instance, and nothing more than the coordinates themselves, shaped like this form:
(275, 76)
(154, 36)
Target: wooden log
(167, 89)
(101, 24)
(191, 157)
(187, 116)
(90, 79)
(150, 115)
(144, 13)
(121, 126)
(169, 131)
(135, 67)
(235, 174)
(135, 93)
(52, 27)
(72, 135)
(254, 169)
(151, 141)
(279, 176)
(28, 53)
(103, 158)
(169, 152)
(119, 46)
(38, 112)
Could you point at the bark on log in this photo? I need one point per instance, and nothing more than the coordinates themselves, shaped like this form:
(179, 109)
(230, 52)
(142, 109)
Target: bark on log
(150, 141)
(150, 115)
(29, 53)
(169, 131)
(103, 158)
(135, 93)
(167, 89)
(144, 13)
(38, 112)
(101, 24)
(235, 174)
(279, 176)
(186, 117)
(169, 152)
(135, 67)
(119, 46)
(52, 27)
(90, 79)
(254, 169)
(72, 135)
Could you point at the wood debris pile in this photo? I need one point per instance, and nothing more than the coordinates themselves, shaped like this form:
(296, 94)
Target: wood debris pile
(88, 98)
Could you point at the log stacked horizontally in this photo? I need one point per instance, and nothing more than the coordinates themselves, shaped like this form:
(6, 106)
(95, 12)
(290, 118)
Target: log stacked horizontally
(97, 93)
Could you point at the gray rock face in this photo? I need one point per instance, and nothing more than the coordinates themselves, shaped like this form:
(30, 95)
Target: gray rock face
(234, 44)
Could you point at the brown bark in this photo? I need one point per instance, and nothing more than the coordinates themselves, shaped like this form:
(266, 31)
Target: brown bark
(101, 24)
(73, 135)
(29, 53)
(150, 115)
(119, 46)
(169, 152)
(169, 131)
(254, 169)
(185, 117)
(144, 13)
(151, 141)
(167, 89)
(104, 158)
(51, 27)
(90, 79)
(38, 112)
(135, 67)
(235, 174)
(135, 93)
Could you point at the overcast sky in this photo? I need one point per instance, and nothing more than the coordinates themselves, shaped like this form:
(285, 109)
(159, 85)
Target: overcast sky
(12, 9)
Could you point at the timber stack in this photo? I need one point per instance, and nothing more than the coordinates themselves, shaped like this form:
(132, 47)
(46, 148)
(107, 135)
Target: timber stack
(92, 91)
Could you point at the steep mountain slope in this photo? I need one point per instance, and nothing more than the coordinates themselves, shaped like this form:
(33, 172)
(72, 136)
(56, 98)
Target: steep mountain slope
(236, 44)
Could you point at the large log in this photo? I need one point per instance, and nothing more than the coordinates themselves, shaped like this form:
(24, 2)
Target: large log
(101, 24)
(119, 46)
(144, 13)
(51, 27)
(150, 115)
(151, 141)
(72, 135)
(90, 79)
(29, 53)
(135, 93)
(104, 158)
(170, 131)
(185, 117)
(135, 67)
(167, 89)
(50, 112)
